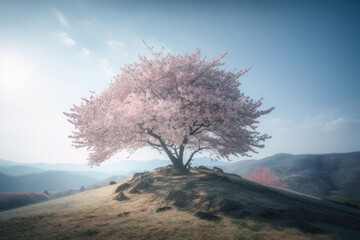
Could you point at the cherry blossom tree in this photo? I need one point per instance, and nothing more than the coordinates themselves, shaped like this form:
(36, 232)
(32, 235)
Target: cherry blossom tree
(179, 104)
(265, 176)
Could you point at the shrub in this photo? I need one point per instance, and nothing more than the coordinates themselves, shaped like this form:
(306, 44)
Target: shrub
(112, 183)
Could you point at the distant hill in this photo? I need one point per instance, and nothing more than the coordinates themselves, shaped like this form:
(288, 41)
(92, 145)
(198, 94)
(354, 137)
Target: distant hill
(19, 170)
(320, 175)
(19, 177)
(14, 200)
(48, 180)
(106, 181)
(7, 163)
(107, 170)
(127, 166)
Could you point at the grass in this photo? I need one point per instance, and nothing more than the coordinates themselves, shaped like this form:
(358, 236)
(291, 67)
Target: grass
(240, 237)
(88, 231)
(354, 203)
(239, 223)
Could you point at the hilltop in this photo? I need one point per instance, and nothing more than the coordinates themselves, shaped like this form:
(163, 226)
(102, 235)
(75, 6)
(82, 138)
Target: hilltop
(206, 204)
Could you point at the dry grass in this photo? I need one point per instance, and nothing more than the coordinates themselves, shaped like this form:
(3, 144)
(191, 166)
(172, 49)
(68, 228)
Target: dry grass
(95, 215)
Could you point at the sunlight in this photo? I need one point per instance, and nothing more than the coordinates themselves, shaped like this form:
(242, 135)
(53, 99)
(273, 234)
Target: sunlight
(18, 79)
(15, 70)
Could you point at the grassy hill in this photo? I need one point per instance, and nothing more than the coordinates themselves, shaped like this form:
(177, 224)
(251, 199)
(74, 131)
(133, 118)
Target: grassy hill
(203, 205)
(320, 175)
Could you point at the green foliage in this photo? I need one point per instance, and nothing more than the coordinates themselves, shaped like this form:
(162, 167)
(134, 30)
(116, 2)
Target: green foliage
(353, 203)
(112, 183)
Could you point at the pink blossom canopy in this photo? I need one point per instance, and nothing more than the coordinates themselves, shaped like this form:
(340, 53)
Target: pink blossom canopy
(171, 103)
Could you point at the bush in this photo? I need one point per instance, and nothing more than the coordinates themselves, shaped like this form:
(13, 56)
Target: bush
(112, 183)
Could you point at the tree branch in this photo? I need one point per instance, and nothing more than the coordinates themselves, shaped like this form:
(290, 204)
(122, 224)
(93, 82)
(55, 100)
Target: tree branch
(210, 66)
(192, 155)
(173, 159)
(150, 143)
(175, 150)
(196, 130)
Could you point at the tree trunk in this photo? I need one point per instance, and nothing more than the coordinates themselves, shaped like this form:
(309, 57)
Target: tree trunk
(177, 162)
(179, 165)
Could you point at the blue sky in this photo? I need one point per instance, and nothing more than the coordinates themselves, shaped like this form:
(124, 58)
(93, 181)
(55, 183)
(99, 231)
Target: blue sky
(305, 57)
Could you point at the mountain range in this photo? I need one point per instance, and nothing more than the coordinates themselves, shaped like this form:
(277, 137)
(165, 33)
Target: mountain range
(20, 177)
(48, 180)
(320, 175)
(119, 167)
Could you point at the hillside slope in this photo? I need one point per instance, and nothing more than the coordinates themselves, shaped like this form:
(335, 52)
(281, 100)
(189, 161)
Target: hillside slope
(162, 205)
(319, 175)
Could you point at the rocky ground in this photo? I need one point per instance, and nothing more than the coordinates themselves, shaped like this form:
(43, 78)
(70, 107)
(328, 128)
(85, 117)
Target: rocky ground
(212, 193)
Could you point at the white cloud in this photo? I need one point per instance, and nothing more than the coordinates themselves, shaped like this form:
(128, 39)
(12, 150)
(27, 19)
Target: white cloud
(61, 18)
(85, 51)
(328, 121)
(328, 114)
(312, 123)
(320, 119)
(339, 123)
(115, 44)
(104, 64)
(276, 120)
(66, 39)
